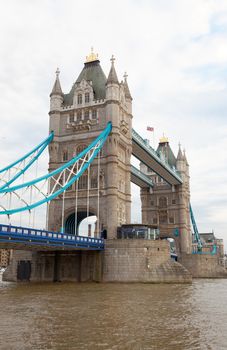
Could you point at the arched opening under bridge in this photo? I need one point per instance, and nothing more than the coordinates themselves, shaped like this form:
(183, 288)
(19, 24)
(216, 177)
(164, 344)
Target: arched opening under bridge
(86, 224)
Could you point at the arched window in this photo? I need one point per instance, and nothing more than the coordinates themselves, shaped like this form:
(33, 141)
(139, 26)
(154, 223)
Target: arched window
(163, 202)
(80, 148)
(94, 114)
(163, 217)
(79, 99)
(87, 97)
(71, 118)
(86, 115)
(82, 184)
(79, 116)
(94, 182)
(65, 155)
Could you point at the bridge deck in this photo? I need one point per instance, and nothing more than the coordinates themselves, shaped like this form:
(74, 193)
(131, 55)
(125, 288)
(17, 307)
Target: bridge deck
(139, 178)
(147, 155)
(21, 238)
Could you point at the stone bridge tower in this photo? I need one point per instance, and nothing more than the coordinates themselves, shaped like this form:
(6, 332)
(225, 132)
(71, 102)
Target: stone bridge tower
(168, 206)
(77, 118)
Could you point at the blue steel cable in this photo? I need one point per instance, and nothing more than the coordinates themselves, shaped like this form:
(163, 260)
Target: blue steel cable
(102, 138)
(195, 228)
(41, 147)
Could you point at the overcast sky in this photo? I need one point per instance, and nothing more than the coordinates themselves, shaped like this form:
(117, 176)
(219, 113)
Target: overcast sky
(175, 54)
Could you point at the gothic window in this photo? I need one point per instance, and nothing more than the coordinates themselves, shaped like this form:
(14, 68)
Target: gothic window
(173, 201)
(162, 202)
(80, 148)
(171, 220)
(87, 97)
(94, 182)
(152, 203)
(94, 114)
(65, 156)
(86, 115)
(71, 118)
(82, 184)
(79, 116)
(155, 221)
(163, 217)
(79, 99)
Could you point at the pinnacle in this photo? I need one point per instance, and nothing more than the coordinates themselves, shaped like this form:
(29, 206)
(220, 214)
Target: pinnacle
(180, 154)
(126, 88)
(57, 86)
(112, 78)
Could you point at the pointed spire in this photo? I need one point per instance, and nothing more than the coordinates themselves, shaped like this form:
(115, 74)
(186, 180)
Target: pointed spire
(57, 86)
(126, 88)
(112, 78)
(180, 154)
(184, 157)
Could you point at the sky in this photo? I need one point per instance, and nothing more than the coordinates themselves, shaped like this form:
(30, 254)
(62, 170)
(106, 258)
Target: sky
(175, 55)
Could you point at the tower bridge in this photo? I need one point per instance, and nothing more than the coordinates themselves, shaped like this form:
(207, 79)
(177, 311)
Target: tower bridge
(90, 173)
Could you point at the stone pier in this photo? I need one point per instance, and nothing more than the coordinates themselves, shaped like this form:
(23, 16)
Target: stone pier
(121, 261)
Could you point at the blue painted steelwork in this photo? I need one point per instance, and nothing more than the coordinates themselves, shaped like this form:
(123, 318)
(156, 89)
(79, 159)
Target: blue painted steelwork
(39, 149)
(143, 144)
(139, 176)
(195, 229)
(33, 237)
(98, 143)
(213, 252)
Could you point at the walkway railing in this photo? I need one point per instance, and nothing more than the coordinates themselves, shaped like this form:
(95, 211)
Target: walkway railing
(139, 140)
(30, 236)
(137, 173)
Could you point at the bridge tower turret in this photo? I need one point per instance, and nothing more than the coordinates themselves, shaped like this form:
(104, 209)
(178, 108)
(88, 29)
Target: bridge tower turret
(168, 206)
(184, 202)
(76, 119)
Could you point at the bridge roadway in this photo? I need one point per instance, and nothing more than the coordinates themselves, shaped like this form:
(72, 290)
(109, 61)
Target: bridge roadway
(147, 155)
(15, 237)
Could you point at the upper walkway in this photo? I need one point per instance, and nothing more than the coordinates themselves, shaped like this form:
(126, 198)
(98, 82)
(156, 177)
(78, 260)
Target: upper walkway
(15, 237)
(139, 178)
(147, 155)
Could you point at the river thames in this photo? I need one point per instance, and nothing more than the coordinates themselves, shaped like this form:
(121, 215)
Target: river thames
(114, 316)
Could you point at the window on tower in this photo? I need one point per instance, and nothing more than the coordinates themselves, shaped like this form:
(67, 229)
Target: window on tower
(87, 97)
(79, 99)
(65, 156)
(80, 148)
(94, 114)
(79, 116)
(82, 184)
(163, 217)
(86, 115)
(162, 202)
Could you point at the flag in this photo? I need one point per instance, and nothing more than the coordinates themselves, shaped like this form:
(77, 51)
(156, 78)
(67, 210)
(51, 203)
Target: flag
(149, 128)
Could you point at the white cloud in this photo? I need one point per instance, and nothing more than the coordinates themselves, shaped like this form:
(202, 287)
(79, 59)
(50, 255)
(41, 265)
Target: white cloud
(175, 53)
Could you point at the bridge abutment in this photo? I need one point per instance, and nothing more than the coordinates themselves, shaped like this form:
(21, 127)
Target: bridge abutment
(203, 265)
(123, 260)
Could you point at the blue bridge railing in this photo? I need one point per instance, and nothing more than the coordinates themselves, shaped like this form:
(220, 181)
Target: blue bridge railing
(29, 236)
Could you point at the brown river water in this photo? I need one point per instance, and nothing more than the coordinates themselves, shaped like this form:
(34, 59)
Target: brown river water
(113, 316)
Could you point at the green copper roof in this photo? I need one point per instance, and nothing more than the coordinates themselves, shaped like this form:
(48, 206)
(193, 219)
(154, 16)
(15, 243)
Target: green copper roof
(92, 71)
(165, 149)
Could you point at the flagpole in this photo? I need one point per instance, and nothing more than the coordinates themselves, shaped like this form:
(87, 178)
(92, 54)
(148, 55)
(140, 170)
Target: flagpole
(149, 128)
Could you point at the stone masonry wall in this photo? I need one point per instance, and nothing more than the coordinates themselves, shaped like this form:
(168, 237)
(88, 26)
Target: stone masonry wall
(203, 266)
(10, 273)
(141, 261)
